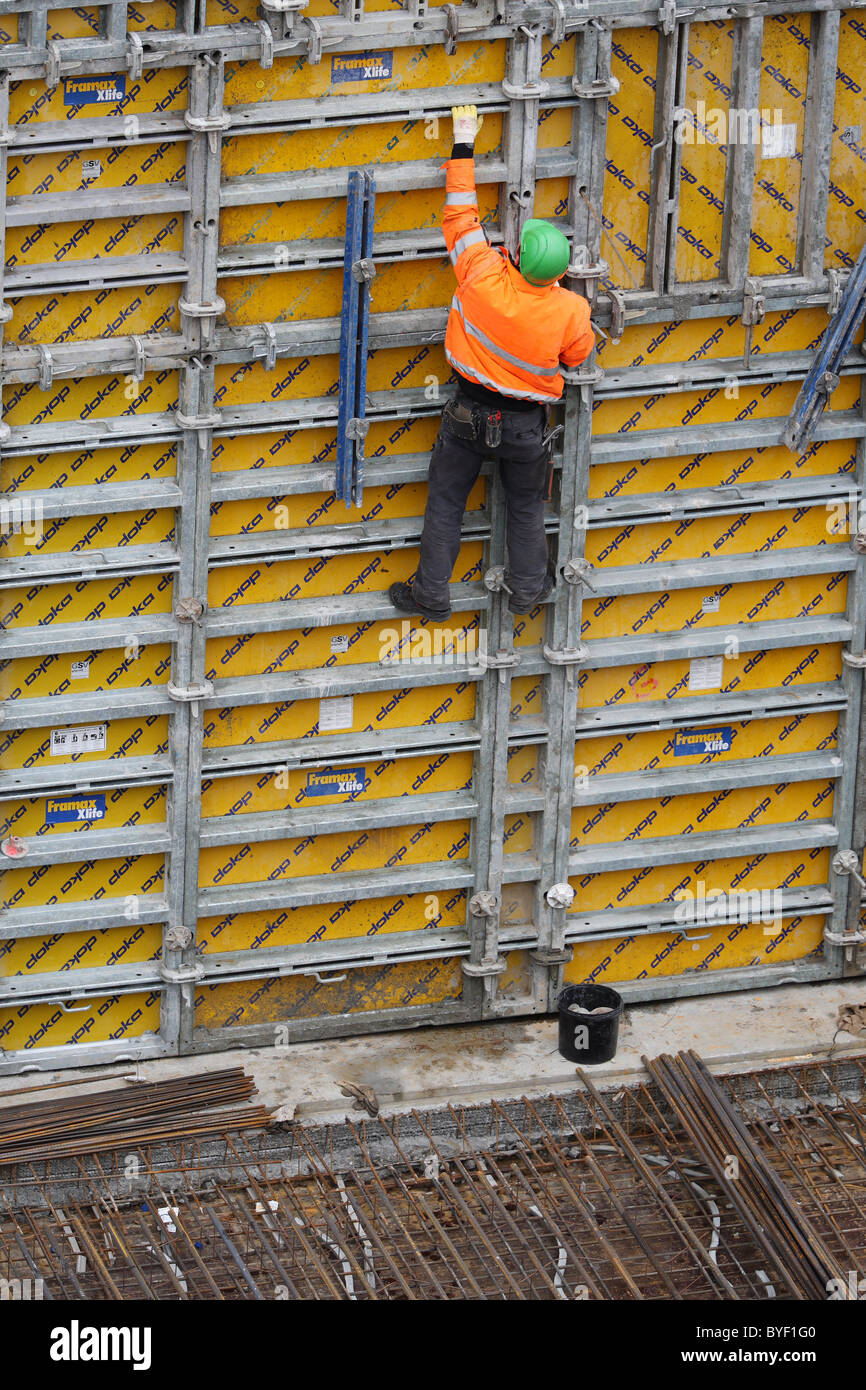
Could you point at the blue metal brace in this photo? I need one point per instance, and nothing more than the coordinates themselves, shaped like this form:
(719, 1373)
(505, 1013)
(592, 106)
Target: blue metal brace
(823, 376)
(358, 271)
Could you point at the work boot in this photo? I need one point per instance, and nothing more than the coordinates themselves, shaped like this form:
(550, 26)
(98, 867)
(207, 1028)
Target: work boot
(402, 597)
(515, 606)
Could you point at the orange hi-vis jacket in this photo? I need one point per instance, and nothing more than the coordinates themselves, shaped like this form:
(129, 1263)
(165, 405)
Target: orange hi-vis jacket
(504, 333)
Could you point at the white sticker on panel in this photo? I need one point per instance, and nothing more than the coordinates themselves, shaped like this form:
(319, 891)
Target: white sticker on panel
(340, 643)
(705, 672)
(338, 713)
(710, 603)
(80, 670)
(778, 141)
(90, 739)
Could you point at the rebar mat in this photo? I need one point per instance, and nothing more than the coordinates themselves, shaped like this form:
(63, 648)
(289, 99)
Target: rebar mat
(620, 1208)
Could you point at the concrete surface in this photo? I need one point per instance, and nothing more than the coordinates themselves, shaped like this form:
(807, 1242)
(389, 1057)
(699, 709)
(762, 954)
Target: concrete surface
(469, 1063)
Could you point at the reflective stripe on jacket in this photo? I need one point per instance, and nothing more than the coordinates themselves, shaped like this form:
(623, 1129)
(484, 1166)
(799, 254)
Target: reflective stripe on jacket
(502, 332)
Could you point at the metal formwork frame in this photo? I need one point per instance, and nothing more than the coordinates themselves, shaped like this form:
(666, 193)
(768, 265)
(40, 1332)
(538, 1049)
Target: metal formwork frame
(204, 343)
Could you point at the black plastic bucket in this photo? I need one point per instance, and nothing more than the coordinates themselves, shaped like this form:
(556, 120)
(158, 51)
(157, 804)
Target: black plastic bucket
(587, 1037)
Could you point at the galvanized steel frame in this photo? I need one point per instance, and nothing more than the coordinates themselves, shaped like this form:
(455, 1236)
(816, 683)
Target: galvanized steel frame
(204, 343)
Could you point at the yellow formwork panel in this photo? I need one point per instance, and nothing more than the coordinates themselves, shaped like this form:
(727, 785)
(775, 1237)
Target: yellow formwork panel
(760, 873)
(778, 163)
(47, 1025)
(128, 880)
(82, 315)
(86, 950)
(656, 749)
(316, 294)
(158, 89)
(399, 646)
(626, 202)
(734, 533)
(362, 991)
(702, 812)
(399, 708)
(788, 667)
(124, 597)
(299, 378)
(527, 697)
(411, 69)
(90, 398)
(704, 159)
(674, 953)
(765, 600)
(93, 742)
(157, 14)
(86, 467)
(94, 532)
(369, 571)
(689, 340)
(397, 500)
(283, 449)
(59, 673)
(846, 218)
(727, 466)
(355, 779)
(40, 818)
(338, 921)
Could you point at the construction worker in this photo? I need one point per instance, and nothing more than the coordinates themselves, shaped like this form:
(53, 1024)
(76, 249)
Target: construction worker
(510, 327)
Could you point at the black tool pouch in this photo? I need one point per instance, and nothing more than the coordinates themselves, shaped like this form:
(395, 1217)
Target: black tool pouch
(460, 421)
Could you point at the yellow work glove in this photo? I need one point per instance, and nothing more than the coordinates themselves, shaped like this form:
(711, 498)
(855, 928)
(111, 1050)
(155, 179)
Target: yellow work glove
(467, 124)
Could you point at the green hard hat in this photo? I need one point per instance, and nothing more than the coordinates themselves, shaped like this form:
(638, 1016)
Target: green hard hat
(544, 252)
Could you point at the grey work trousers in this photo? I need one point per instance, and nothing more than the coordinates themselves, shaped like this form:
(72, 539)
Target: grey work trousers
(454, 466)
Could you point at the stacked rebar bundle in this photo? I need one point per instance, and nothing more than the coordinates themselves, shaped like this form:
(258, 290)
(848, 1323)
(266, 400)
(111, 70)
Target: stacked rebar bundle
(178, 1108)
(757, 1193)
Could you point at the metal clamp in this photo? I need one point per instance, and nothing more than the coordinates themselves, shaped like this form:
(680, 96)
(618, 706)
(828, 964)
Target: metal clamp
(315, 42)
(839, 938)
(270, 346)
(357, 429)
(834, 297)
(617, 313)
(8, 135)
(827, 383)
(6, 312)
(600, 87)
(484, 904)
(578, 571)
(484, 969)
(189, 610)
(525, 91)
(52, 64)
(582, 268)
(139, 359)
(135, 61)
(326, 979)
(210, 310)
(189, 694)
(847, 861)
(557, 32)
(197, 422)
(579, 378)
(858, 542)
(364, 270)
(204, 125)
(498, 661)
(14, 848)
(668, 16)
(754, 303)
(183, 974)
(856, 660)
(559, 895)
(177, 938)
(452, 29)
(46, 368)
(5, 433)
(565, 656)
(547, 955)
(494, 580)
(266, 57)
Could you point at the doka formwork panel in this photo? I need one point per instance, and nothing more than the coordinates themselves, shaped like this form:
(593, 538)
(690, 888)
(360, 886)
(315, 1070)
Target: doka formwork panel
(671, 443)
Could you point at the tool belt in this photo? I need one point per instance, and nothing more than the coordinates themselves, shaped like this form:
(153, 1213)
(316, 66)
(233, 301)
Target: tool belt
(474, 422)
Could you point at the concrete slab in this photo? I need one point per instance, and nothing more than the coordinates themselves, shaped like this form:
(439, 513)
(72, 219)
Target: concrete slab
(464, 1064)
